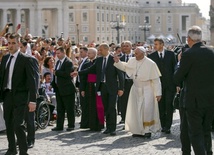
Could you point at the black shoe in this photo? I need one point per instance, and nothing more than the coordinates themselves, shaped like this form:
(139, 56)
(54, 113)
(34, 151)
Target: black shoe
(84, 127)
(147, 135)
(30, 144)
(57, 129)
(69, 129)
(136, 135)
(163, 130)
(113, 133)
(167, 131)
(11, 152)
(122, 122)
(107, 131)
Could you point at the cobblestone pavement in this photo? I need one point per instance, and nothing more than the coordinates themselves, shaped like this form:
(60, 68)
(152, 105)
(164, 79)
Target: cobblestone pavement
(85, 142)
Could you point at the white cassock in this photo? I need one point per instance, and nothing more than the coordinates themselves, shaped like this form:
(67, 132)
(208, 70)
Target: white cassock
(142, 115)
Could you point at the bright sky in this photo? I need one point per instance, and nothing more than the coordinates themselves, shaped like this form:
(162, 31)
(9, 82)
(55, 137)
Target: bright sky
(204, 6)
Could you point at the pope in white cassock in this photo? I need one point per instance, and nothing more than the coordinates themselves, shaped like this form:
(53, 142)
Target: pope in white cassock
(142, 115)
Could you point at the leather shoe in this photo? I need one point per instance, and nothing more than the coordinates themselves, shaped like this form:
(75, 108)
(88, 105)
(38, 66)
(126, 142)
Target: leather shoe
(147, 135)
(163, 130)
(30, 144)
(167, 131)
(69, 129)
(113, 133)
(136, 135)
(107, 131)
(57, 129)
(11, 152)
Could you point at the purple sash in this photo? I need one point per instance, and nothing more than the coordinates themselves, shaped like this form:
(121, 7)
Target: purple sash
(99, 104)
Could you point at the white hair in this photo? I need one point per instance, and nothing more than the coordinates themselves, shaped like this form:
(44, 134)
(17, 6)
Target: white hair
(195, 33)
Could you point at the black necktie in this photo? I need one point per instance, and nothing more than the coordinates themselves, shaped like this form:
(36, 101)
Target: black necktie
(6, 75)
(127, 58)
(103, 70)
(161, 56)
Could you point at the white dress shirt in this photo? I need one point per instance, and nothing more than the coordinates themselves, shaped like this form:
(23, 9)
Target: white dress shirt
(9, 83)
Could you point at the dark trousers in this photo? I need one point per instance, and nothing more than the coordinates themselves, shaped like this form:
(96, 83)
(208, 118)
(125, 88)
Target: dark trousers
(65, 104)
(184, 133)
(14, 120)
(199, 123)
(124, 98)
(166, 108)
(85, 115)
(109, 102)
(30, 120)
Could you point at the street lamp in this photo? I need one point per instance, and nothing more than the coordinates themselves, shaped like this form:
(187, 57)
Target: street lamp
(117, 25)
(78, 38)
(144, 28)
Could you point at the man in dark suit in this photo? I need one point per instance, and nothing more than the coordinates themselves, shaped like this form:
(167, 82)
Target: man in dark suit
(197, 71)
(18, 90)
(166, 63)
(84, 106)
(30, 116)
(109, 84)
(127, 50)
(65, 91)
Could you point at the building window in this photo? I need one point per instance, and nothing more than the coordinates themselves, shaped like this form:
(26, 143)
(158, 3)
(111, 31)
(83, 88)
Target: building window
(158, 2)
(169, 29)
(71, 7)
(98, 17)
(71, 17)
(107, 17)
(98, 38)
(170, 2)
(103, 28)
(158, 20)
(147, 19)
(169, 19)
(103, 17)
(84, 28)
(85, 39)
(147, 2)
(85, 16)
(98, 29)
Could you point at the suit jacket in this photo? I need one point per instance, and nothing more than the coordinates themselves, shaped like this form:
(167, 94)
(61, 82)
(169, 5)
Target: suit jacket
(114, 77)
(23, 78)
(123, 58)
(84, 78)
(78, 84)
(167, 69)
(197, 71)
(65, 83)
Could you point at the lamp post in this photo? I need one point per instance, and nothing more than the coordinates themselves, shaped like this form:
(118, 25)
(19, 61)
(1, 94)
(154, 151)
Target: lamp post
(145, 27)
(117, 25)
(78, 38)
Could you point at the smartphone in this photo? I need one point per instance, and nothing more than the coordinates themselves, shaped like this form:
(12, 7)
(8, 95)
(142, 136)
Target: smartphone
(10, 24)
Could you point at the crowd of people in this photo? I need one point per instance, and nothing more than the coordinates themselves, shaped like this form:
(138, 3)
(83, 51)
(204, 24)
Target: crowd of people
(137, 80)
